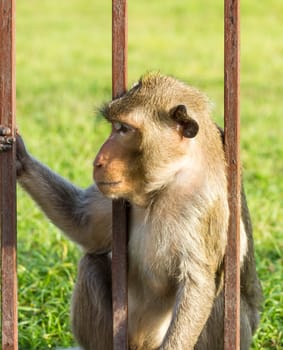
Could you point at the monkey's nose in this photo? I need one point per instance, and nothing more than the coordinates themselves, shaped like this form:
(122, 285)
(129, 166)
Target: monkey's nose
(99, 162)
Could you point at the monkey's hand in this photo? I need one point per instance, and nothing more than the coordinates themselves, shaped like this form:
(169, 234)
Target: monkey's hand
(6, 144)
(6, 140)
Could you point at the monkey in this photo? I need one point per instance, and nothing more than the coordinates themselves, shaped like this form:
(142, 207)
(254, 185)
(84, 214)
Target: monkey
(165, 156)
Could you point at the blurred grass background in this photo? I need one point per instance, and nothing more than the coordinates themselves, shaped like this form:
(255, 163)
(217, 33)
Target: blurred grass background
(64, 74)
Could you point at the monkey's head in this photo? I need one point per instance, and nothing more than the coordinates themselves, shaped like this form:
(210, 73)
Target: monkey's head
(155, 128)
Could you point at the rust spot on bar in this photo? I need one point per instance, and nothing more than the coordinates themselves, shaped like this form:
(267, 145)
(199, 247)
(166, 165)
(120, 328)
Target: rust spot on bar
(120, 208)
(8, 178)
(232, 136)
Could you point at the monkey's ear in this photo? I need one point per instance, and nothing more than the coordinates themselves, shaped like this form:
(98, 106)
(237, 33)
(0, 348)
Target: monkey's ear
(189, 125)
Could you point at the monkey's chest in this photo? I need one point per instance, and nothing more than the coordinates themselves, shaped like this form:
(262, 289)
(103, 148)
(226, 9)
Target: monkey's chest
(151, 290)
(151, 297)
(149, 262)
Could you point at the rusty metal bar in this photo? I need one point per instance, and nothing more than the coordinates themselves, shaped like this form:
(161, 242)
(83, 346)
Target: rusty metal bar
(8, 178)
(119, 47)
(120, 208)
(232, 146)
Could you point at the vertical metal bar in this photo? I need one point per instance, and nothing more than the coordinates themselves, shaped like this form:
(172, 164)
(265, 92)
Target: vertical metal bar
(119, 47)
(119, 207)
(232, 137)
(8, 178)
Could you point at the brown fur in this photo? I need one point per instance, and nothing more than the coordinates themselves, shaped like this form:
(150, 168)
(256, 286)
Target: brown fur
(165, 155)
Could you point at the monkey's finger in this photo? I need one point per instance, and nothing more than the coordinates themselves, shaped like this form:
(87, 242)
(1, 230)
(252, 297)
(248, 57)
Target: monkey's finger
(4, 148)
(4, 130)
(10, 140)
(7, 140)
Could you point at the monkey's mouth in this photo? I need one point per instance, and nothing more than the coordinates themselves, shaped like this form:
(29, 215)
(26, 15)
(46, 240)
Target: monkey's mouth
(108, 184)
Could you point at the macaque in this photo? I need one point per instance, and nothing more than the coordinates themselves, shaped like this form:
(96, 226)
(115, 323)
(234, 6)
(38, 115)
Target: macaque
(165, 156)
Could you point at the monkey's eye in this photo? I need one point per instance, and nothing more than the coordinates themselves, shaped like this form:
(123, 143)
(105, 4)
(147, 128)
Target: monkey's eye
(122, 128)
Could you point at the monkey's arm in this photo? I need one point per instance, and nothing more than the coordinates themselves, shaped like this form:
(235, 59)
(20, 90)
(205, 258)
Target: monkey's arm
(84, 215)
(200, 259)
(194, 303)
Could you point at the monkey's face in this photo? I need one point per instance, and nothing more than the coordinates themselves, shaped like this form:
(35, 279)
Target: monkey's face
(151, 139)
(139, 157)
(117, 167)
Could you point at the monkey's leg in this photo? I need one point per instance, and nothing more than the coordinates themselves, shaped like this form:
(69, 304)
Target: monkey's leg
(246, 327)
(211, 337)
(92, 303)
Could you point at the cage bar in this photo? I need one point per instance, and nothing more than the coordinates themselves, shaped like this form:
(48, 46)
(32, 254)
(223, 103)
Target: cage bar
(120, 208)
(8, 179)
(232, 146)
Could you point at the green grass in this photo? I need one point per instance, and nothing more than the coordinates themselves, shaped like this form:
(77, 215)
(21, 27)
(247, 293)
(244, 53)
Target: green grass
(64, 73)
